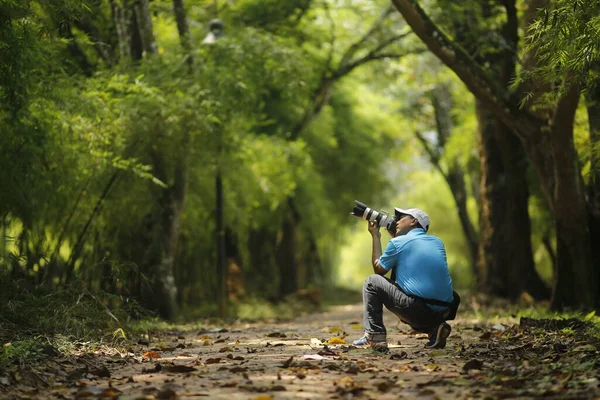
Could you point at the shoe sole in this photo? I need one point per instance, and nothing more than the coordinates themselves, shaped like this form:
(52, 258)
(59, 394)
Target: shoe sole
(442, 334)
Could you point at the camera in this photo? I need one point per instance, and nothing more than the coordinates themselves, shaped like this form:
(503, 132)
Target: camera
(380, 218)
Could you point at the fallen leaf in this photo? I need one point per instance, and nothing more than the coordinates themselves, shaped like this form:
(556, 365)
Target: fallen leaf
(101, 372)
(157, 368)
(288, 362)
(432, 367)
(277, 334)
(263, 397)
(327, 352)
(167, 394)
(399, 356)
(461, 382)
(313, 357)
(384, 385)
(151, 354)
(315, 341)
(335, 329)
(97, 392)
(178, 368)
(213, 360)
(336, 340)
(473, 364)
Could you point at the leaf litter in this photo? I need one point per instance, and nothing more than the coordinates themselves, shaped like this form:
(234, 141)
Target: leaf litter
(509, 358)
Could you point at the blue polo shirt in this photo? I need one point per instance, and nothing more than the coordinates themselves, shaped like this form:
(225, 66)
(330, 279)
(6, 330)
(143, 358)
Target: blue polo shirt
(421, 266)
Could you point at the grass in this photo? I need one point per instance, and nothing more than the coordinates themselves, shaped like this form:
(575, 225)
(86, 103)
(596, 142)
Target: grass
(35, 324)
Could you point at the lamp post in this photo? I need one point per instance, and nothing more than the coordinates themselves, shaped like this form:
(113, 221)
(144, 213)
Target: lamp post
(216, 31)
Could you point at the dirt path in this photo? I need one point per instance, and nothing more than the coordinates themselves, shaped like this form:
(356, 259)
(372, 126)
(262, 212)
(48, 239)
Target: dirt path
(483, 359)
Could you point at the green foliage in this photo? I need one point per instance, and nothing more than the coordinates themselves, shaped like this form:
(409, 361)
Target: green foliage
(564, 39)
(270, 14)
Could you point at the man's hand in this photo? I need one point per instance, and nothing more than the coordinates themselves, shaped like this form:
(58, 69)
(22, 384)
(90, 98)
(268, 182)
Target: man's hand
(376, 235)
(374, 229)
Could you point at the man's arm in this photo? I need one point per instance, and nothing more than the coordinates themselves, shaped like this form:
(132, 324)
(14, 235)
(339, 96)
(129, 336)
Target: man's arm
(376, 254)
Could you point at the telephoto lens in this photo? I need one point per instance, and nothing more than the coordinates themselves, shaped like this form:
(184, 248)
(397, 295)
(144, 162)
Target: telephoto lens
(381, 218)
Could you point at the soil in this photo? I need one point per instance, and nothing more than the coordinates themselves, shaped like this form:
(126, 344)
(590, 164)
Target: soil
(311, 357)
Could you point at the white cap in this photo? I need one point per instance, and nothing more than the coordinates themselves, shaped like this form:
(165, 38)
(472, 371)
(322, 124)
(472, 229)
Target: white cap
(420, 215)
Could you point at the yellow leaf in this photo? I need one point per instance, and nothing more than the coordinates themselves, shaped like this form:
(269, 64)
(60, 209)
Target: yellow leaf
(335, 329)
(336, 340)
(432, 367)
(357, 327)
(206, 343)
(263, 397)
(151, 354)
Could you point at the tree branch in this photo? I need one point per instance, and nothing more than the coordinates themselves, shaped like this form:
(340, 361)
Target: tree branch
(489, 92)
(434, 156)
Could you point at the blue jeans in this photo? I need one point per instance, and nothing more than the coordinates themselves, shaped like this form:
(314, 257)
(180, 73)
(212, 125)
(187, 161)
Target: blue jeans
(379, 291)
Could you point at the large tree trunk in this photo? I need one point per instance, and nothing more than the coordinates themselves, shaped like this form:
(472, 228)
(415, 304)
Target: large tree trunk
(575, 277)
(593, 189)
(505, 228)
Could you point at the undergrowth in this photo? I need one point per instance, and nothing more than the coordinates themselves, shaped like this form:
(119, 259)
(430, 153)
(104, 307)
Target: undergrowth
(38, 323)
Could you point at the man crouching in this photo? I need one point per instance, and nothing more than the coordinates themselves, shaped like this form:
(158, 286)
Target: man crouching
(420, 290)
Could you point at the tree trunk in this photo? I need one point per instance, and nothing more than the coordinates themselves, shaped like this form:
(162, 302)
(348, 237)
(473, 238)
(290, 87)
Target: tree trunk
(221, 266)
(575, 277)
(122, 18)
(265, 276)
(133, 24)
(505, 229)
(287, 254)
(183, 29)
(593, 189)
(143, 21)
(454, 173)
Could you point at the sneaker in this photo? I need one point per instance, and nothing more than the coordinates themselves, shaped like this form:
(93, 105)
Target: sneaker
(377, 345)
(437, 340)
